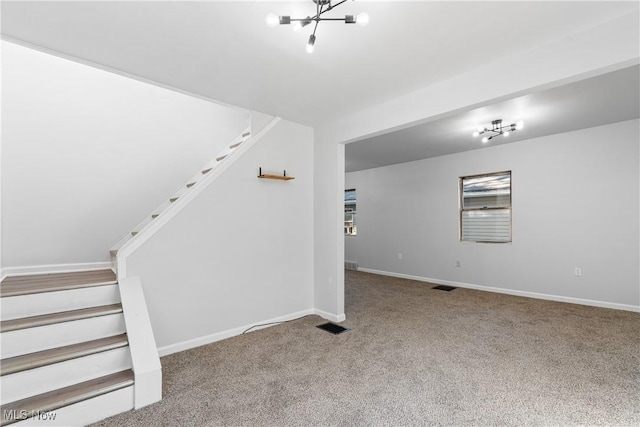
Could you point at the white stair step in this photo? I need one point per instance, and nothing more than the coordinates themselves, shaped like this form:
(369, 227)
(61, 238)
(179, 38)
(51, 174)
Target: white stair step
(31, 340)
(32, 284)
(179, 193)
(44, 303)
(85, 412)
(163, 207)
(60, 317)
(142, 225)
(53, 400)
(60, 354)
(20, 385)
(148, 220)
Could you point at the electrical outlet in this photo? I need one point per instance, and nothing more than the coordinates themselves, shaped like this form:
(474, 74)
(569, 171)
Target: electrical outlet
(577, 271)
(457, 263)
(399, 255)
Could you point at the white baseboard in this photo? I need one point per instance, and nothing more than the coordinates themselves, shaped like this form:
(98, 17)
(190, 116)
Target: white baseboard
(593, 303)
(219, 336)
(329, 316)
(53, 268)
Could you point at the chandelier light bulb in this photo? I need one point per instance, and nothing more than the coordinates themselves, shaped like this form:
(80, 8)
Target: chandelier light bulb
(506, 133)
(519, 125)
(485, 139)
(272, 20)
(476, 133)
(297, 26)
(311, 43)
(362, 19)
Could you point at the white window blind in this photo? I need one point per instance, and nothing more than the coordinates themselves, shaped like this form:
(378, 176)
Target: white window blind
(485, 207)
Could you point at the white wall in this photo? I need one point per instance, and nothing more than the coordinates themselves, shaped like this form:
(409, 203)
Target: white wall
(329, 248)
(613, 45)
(87, 154)
(575, 203)
(239, 254)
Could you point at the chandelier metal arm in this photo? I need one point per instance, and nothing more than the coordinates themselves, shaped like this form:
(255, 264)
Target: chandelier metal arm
(322, 6)
(316, 19)
(319, 11)
(329, 7)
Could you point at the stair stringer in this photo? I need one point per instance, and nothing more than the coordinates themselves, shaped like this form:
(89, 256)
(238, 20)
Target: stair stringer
(119, 257)
(184, 189)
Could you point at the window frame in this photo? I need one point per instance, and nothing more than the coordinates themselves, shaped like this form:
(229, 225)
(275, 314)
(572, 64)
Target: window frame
(354, 212)
(462, 209)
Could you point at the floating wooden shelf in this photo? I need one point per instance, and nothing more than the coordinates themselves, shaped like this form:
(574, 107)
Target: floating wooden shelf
(282, 177)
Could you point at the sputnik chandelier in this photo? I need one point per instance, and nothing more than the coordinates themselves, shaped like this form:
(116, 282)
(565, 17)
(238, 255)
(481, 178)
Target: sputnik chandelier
(497, 129)
(322, 6)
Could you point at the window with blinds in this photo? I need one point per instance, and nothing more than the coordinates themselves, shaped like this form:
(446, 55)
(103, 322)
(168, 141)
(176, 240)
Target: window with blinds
(485, 208)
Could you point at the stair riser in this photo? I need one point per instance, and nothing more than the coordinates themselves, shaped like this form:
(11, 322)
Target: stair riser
(52, 302)
(86, 412)
(40, 380)
(16, 343)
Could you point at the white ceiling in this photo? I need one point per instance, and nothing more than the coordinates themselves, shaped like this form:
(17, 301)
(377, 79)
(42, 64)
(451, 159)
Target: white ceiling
(595, 101)
(222, 50)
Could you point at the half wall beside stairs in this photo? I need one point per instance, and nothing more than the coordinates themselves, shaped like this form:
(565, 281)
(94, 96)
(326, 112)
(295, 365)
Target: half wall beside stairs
(240, 253)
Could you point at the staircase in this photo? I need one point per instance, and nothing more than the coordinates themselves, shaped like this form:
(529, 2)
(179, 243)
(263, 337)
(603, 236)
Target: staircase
(185, 192)
(173, 204)
(65, 352)
(78, 347)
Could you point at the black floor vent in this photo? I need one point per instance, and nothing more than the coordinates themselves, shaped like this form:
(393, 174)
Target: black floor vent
(444, 288)
(333, 328)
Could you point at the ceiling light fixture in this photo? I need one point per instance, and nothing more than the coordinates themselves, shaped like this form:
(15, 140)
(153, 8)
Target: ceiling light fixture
(322, 6)
(497, 129)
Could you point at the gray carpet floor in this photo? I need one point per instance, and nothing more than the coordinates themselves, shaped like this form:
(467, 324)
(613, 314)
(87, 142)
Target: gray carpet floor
(413, 356)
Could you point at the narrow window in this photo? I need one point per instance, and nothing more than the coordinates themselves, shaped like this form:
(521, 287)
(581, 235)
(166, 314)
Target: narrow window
(350, 212)
(485, 208)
